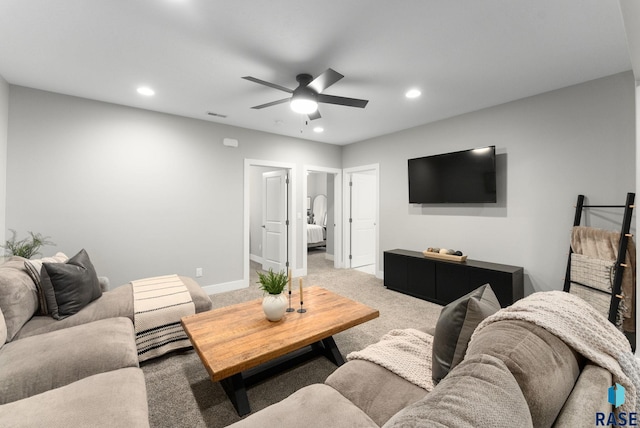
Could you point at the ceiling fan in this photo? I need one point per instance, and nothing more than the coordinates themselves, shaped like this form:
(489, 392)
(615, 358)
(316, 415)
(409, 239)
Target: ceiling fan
(308, 94)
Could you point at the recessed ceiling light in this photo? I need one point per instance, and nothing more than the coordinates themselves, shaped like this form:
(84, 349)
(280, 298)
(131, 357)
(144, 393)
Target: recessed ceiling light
(318, 129)
(145, 90)
(413, 93)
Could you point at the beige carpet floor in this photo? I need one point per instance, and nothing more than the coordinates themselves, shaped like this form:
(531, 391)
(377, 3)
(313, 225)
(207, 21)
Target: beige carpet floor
(180, 393)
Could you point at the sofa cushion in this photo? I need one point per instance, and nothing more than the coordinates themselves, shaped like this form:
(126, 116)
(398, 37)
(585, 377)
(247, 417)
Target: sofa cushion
(18, 295)
(115, 303)
(316, 405)
(112, 399)
(480, 392)
(61, 357)
(34, 266)
(375, 390)
(455, 326)
(70, 286)
(544, 366)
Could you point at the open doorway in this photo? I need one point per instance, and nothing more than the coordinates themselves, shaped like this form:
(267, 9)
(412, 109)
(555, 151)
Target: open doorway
(322, 231)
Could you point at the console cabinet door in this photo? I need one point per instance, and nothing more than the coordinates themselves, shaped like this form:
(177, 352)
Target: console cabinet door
(421, 278)
(395, 271)
(501, 283)
(453, 282)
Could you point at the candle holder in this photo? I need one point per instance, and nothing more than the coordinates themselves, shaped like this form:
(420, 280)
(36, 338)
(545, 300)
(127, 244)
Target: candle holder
(301, 310)
(290, 309)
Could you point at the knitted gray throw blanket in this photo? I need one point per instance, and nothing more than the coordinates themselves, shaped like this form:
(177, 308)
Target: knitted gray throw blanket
(406, 353)
(580, 326)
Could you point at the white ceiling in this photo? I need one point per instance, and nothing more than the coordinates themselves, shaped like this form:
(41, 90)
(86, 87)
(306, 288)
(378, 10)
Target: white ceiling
(464, 55)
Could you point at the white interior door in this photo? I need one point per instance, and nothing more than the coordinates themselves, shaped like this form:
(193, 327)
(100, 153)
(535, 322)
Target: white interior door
(274, 220)
(363, 219)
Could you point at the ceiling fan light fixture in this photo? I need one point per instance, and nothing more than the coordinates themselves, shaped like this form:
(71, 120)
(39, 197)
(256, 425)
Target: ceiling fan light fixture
(303, 105)
(413, 93)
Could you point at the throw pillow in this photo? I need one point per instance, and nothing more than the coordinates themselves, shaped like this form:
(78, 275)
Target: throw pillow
(455, 326)
(18, 295)
(34, 267)
(480, 392)
(69, 287)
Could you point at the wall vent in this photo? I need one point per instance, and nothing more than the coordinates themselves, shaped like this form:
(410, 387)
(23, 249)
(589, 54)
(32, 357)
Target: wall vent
(223, 116)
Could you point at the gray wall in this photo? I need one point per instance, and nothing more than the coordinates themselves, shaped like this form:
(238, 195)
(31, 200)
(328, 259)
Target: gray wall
(4, 125)
(4, 129)
(551, 147)
(145, 193)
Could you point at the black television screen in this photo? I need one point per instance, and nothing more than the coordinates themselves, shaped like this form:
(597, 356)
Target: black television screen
(467, 176)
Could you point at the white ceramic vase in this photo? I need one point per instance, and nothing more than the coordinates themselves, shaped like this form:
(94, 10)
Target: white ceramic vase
(274, 306)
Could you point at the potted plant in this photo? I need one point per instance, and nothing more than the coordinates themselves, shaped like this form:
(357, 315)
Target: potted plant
(274, 303)
(27, 247)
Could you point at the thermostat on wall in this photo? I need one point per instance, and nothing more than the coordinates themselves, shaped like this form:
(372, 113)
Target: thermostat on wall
(230, 142)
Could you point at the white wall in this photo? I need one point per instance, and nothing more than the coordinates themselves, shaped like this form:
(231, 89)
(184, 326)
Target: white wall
(551, 147)
(145, 193)
(4, 125)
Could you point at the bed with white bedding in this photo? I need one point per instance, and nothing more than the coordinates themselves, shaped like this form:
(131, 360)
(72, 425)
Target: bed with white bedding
(317, 230)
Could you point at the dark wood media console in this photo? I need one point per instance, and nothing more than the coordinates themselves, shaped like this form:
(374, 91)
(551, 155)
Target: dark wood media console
(442, 281)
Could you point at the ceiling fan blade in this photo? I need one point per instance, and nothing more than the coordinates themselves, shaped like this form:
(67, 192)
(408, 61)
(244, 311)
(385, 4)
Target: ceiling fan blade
(272, 103)
(315, 115)
(342, 101)
(269, 84)
(326, 79)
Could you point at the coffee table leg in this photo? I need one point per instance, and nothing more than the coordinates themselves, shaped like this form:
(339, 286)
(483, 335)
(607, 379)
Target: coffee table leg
(236, 391)
(332, 352)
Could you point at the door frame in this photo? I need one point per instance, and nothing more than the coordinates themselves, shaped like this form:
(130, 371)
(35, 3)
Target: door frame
(338, 259)
(248, 163)
(375, 168)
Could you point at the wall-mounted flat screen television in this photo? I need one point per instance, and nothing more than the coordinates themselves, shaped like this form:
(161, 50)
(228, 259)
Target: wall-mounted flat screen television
(467, 176)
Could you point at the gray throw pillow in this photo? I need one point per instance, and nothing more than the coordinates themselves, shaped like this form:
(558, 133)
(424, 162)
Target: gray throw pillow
(69, 287)
(455, 326)
(34, 266)
(480, 392)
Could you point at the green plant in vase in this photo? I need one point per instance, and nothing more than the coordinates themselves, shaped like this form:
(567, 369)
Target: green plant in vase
(274, 303)
(271, 282)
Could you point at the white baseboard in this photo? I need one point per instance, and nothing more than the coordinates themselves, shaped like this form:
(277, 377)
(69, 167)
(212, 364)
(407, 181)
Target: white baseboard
(225, 286)
(255, 258)
(328, 256)
(380, 274)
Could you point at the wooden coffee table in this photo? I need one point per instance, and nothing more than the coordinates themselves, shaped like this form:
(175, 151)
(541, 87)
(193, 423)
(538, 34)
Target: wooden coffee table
(239, 346)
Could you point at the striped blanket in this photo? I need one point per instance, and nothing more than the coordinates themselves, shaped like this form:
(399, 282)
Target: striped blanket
(158, 305)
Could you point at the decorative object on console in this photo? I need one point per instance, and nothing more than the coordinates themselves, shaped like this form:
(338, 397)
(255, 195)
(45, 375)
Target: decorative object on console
(455, 326)
(274, 303)
(445, 254)
(26, 247)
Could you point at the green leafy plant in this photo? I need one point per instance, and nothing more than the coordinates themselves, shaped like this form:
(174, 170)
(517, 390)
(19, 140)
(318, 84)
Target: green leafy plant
(27, 247)
(271, 282)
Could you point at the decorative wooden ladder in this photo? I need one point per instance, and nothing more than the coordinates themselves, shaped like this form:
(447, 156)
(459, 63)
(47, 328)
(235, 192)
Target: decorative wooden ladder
(622, 251)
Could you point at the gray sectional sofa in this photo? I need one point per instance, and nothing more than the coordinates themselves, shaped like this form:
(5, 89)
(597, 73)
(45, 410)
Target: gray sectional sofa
(513, 374)
(82, 370)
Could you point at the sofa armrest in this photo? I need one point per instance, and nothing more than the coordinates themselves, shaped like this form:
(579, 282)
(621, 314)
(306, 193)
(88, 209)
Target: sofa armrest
(587, 398)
